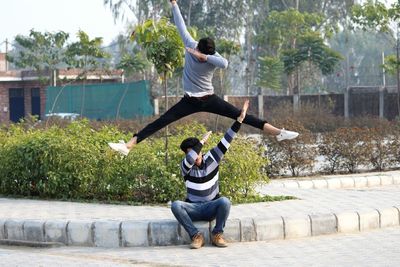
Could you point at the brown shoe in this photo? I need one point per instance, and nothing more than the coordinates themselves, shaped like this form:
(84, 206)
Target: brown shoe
(197, 241)
(218, 240)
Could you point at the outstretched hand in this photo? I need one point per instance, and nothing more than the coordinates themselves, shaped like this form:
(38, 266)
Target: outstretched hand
(205, 137)
(200, 56)
(244, 111)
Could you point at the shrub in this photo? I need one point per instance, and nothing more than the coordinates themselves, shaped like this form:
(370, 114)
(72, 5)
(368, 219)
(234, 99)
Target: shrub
(295, 155)
(75, 162)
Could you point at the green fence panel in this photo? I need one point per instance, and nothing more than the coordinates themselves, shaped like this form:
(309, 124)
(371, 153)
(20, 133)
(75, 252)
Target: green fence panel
(101, 101)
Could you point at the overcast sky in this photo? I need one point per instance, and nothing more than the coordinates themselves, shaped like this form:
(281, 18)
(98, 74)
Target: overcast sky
(91, 16)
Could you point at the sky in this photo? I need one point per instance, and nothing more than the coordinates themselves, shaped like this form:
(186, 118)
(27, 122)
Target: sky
(91, 16)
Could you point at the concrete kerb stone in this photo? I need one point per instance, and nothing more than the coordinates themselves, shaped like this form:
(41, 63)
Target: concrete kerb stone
(348, 222)
(232, 230)
(80, 233)
(56, 231)
(320, 183)
(373, 181)
(386, 180)
(135, 233)
(334, 183)
(291, 184)
(107, 234)
(306, 184)
(360, 182)
(297, 227)
(347, 182)
(2, 232)
(269, 228)
(163, 233)
(369, 220)
(248, 230)
(389, 217)
(33, 231)
(204, 227)
(14, 229)
(322, 224)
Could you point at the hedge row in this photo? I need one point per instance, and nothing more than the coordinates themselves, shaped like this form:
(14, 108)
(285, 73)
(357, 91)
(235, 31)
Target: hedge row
(74, 162)
(348, 150)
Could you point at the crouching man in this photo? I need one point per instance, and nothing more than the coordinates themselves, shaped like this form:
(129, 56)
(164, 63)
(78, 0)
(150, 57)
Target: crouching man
(203, 201)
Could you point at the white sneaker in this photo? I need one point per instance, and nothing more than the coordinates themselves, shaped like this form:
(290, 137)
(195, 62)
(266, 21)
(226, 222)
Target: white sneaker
(286, 135)
(120, 147)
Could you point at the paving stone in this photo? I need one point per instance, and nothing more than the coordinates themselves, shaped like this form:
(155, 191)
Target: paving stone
(232, 230)
(374, 181)
(164, 233)
(369, 220)
(322, 224)
(389, 217)
(297, 227)
(248, 230)
(14, 229)
(203, 226)
(56, 231)
(107, 234)
(320, 183)
(348, 222)
(334, 183)
(34, 231)
(269, 228)
(360, 182)
(80, 233)
(347, 182)
(135, 233)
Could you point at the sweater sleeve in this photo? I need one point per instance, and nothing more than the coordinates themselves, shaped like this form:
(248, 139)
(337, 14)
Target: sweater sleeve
(180, 24)
(217, 60)
(190, 158)
(219, 151)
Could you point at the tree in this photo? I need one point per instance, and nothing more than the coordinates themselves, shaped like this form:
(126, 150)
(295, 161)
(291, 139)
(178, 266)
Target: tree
(270, 72)
(40, 51)
(375, 15)
(165, 49)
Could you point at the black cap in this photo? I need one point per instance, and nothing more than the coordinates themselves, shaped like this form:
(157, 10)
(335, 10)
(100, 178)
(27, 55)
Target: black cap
(206, 46)
(189, 143)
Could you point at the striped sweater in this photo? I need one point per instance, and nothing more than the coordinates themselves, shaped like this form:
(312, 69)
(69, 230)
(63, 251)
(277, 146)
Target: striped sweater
(202, 182)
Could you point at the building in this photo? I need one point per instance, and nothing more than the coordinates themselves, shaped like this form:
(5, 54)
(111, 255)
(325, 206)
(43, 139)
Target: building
(24, 92)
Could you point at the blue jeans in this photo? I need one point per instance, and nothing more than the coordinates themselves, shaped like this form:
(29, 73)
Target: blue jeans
(186, 213)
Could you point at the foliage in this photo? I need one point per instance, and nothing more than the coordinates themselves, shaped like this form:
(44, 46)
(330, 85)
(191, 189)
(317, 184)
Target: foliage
(294, 156)
(270, 72)
(86, 53)
(75, 163)
(164, 47)
(40, 50)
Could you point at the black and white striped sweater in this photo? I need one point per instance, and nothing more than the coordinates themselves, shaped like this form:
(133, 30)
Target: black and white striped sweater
(202, 181)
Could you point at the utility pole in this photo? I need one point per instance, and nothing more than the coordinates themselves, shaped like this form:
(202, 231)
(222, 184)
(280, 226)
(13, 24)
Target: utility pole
(398, 71)
(6, 54)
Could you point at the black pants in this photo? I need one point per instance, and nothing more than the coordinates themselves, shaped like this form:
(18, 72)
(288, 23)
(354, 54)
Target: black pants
(189, 105)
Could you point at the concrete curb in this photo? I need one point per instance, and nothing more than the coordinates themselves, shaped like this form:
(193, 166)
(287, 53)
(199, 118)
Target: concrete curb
(113, 234)
(343, 181)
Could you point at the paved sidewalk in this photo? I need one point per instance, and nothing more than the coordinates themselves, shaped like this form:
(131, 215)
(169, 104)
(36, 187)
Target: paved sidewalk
(325, 205)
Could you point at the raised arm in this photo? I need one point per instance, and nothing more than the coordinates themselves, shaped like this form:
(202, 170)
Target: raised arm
(219, 151)
(190, 158)
(180, 24)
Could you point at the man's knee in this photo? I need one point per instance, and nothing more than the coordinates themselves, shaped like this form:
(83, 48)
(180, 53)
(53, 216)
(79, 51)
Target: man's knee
(176, 205)
(225, 202)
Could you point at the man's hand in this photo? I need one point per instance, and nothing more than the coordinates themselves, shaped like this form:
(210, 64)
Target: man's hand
(200, 56)
(205, 137)
(244, 111)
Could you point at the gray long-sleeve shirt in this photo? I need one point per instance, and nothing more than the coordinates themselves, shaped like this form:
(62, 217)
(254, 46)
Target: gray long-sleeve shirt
(197, 75)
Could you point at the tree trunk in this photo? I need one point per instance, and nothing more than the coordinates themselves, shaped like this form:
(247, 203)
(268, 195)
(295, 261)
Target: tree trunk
(166, 109)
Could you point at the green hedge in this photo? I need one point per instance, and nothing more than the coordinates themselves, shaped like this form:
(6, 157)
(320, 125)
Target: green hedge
(74, 162)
